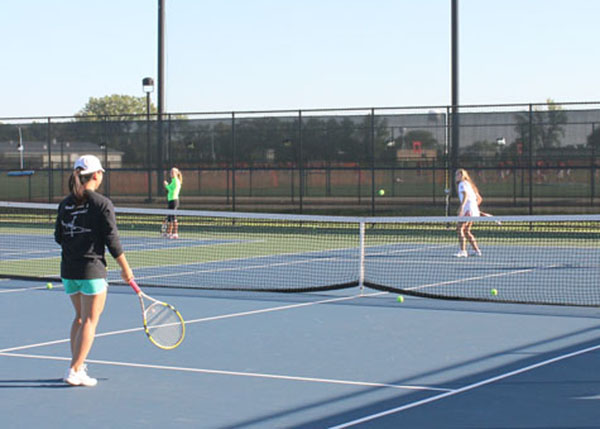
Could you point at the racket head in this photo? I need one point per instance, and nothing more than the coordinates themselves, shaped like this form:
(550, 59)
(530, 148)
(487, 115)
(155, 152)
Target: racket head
(163, 325)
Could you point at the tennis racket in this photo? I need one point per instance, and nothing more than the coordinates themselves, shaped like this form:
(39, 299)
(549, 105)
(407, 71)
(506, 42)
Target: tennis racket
(163, 324)
(489, 215)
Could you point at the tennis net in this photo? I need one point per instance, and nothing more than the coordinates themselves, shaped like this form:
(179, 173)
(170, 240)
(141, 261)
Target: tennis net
(525, 259)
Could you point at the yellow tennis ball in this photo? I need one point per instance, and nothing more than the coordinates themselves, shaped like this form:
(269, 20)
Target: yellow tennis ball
(49, 285)
(494, 292)
(400, 298)
(381, 192)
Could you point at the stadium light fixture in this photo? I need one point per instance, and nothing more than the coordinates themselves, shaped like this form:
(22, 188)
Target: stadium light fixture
(148, 85)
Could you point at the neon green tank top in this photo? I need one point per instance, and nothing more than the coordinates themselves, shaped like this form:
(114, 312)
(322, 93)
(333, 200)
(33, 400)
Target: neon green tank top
(173, 189)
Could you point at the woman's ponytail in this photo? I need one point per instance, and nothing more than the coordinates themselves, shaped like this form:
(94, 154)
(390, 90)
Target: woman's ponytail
(76, 182)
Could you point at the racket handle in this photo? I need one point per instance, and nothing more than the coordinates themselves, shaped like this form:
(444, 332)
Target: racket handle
(134, 286)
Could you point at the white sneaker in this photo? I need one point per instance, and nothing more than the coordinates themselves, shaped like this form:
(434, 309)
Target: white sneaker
(71, 377)
(475, 253)
(461, 254)
(174, 236)
(79, 378)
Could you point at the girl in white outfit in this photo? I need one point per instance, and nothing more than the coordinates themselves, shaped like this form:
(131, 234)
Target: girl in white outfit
(469, 206)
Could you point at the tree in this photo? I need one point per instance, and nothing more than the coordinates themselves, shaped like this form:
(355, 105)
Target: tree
(330, 140)
(427, 139)
(115, 121)
(593, 140)
(484, 149)
(116, 107)
(380, 138)
(546, 126)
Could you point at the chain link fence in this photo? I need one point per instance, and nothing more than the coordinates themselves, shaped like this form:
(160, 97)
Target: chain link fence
(526, 158)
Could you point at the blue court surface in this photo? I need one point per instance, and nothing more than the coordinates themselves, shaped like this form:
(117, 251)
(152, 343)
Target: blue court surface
(347, 358)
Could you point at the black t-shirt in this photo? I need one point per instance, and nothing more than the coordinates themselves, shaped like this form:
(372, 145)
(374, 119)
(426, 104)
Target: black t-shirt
(83, 232)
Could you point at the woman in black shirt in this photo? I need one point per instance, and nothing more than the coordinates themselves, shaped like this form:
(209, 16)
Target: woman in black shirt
(85, 225)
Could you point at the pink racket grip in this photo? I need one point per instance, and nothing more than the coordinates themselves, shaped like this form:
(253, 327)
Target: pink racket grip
(134, 286)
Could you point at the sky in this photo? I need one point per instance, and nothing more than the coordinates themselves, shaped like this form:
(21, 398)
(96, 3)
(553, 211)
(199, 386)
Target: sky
(237, 55)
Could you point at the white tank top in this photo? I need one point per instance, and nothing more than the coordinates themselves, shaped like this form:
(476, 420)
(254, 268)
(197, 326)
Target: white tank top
(466, 190)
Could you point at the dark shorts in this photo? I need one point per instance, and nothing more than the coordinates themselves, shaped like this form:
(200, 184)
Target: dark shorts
(173, 205)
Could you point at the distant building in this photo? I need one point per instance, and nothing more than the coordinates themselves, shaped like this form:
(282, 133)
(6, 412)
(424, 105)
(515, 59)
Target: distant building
(61, 154)
(416, 153)
(491, 126)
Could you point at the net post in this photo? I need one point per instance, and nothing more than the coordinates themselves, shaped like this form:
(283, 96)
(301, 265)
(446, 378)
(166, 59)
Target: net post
(361, 267)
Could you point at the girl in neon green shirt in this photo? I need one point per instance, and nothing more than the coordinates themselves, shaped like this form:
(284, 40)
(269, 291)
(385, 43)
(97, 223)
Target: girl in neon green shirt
(173, 189)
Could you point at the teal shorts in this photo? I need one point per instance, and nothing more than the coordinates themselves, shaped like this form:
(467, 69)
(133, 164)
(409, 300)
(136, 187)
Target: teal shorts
(85, 286)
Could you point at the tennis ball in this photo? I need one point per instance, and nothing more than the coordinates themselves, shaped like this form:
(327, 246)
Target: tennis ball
(494, 292)
(49, 285)
(381, 192)
(400, 298)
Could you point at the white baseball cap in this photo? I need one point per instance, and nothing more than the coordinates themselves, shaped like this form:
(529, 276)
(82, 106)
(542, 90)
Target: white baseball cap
(89, 164)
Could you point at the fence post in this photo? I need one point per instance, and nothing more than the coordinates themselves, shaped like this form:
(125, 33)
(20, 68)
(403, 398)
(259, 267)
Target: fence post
(514, 176)
(159, 153)
(372, 161)
(361, 259)
(593, 169)
(448, 167)
(433, 167)
(300, 161)
(107, 175)
(50, 171)
(233, 160)
(148, 150)
(530, 156)
(169, 142)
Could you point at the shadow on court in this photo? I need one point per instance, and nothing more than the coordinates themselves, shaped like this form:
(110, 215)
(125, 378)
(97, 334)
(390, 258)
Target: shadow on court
(467, 363)
(49, 383)
(562, 394)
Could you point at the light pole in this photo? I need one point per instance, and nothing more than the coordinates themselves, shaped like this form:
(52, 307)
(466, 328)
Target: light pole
(148, 87)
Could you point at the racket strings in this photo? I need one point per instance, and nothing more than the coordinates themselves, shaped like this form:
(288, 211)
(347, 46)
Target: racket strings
(164, 325)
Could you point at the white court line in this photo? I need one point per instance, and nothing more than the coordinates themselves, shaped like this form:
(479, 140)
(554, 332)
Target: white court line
(270, 264)
(487, 276)
(411, 250)
(591, 397)
(240, 268)
(207, 319)
(452, 261)
(55, 252)
(10, 352)
(141, 247)
(23, 289)
(235, 373)
(221, 261)
(465, 388)
(311, 260)
(151, 246)
(66, 340)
